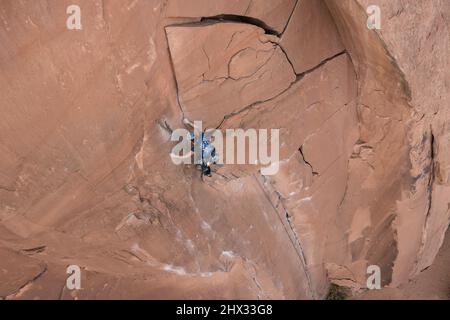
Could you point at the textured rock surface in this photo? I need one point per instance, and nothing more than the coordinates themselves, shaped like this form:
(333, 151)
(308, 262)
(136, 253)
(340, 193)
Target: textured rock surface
(224, 67)
(85, 172)
(319, 121)
(430, 284)
(274, 14)
(403, 132)
(309, 40)
(416, 43)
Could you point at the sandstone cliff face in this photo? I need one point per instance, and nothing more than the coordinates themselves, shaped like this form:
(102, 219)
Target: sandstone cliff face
(85, 171)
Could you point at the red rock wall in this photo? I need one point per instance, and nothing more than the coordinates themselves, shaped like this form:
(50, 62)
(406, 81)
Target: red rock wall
(85, 172)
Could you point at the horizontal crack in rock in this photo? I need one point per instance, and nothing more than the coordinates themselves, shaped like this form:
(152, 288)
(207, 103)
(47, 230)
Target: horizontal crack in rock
(241, 19)
(298, 78)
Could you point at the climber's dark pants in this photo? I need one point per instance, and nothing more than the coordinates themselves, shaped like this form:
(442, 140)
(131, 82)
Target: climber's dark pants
(206, 170)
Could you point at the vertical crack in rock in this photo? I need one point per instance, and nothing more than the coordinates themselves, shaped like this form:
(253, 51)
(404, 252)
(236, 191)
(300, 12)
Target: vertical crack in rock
(61, 291)
(290, 17)
(311, 35)
(432, 172)
(253, 276)
(250, 3)
(431, 180)
(285, 220)
(287, 58)
(27, 284)
(301, 251)
(306, 161)
(174, 77)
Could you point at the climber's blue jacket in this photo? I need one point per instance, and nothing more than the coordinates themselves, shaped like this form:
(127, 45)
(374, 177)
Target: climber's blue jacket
(208, 152)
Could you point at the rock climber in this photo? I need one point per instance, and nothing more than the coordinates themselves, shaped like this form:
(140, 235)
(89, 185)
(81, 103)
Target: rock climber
(207, 152)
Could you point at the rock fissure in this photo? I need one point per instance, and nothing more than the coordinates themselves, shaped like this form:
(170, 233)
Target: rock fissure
(224, 18)
(27, 284)
(283, 215)
(299, 77)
